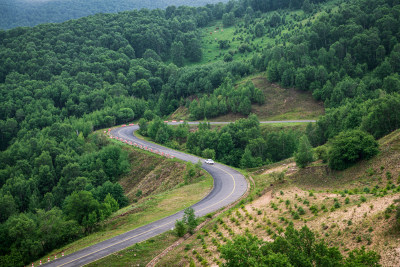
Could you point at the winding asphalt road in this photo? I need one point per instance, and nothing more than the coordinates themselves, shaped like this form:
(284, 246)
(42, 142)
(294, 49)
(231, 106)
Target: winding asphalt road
(229, 186)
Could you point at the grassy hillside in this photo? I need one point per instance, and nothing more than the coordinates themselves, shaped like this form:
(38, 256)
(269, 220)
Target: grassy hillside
(235, 36)
(363, 216)
(280, 104)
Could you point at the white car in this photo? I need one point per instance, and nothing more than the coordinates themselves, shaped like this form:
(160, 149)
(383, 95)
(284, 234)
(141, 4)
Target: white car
(209, 161)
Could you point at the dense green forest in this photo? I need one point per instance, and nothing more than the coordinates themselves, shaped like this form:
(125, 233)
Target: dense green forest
(18, 13)
(59, 82)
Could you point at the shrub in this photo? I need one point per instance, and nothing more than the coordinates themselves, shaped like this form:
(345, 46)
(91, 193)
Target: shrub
(295, 216)
(314, 209)
(180, 228)
(301, 211)
(278, 176)
(349, 147)
(208, 153)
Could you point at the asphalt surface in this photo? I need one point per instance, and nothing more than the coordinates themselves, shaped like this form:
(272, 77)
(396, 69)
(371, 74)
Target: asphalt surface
(229, 185)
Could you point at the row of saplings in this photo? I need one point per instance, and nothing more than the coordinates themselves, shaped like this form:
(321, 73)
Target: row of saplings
(293, 248)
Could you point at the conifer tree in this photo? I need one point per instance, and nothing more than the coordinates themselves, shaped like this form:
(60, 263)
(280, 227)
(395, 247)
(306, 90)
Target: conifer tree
(304, 154)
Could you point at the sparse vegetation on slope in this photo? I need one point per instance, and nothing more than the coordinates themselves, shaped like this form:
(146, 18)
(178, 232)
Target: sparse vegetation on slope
(348, 209)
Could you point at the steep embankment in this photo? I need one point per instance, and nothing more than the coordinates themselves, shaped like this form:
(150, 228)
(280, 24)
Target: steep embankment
(152, 174)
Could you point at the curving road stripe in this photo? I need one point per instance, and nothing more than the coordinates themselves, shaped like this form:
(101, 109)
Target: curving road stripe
(229, 185)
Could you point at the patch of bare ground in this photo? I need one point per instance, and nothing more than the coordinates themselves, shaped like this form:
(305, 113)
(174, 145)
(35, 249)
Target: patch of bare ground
(352, 224)
(289, 169)
(204, 247)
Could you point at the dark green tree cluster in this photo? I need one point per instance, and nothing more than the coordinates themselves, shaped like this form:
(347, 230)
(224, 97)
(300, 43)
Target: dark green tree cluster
(16, 13)
(225, 99)
(294, 248)
(92, 67)
(377, 116)
(349, 147)
(55, 186)
(239, 144)
(107, 69)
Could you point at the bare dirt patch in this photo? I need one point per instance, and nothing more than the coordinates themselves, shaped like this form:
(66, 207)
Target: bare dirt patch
(262, 201)
(289, 168)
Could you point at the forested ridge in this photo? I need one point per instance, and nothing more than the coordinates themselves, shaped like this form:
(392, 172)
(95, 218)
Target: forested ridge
(18, 13)
(59, 82)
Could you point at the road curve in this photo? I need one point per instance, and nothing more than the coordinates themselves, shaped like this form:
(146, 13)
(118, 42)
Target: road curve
(229, 185)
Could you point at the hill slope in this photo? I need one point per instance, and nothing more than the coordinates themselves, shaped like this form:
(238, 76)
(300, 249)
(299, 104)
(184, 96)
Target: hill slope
(363, 217)
(280, 104)
(17, 13)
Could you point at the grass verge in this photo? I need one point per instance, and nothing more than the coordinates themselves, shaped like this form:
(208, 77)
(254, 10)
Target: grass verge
(139, 254)
(147, 210)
